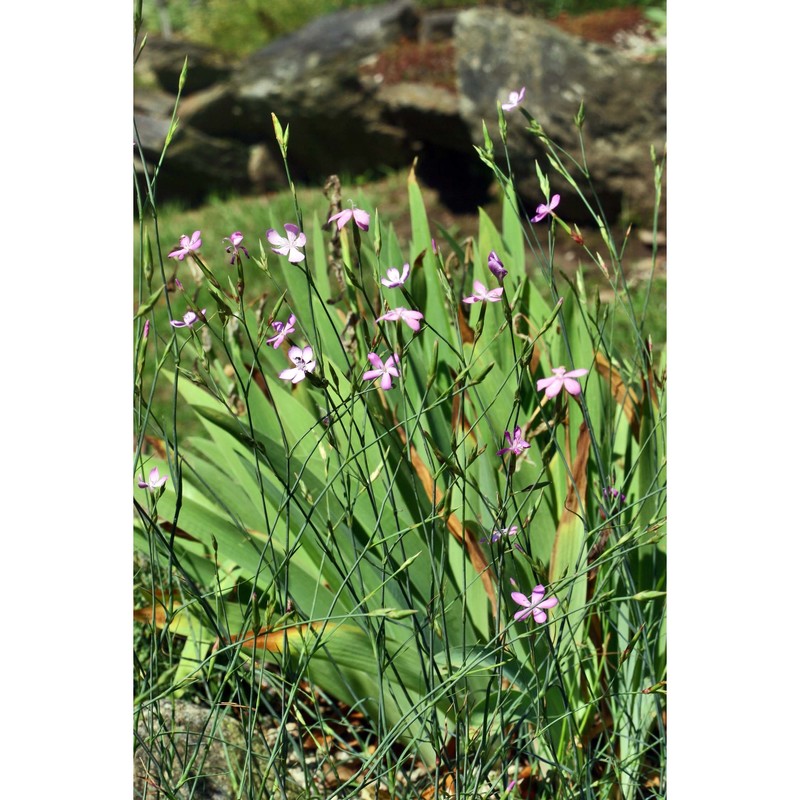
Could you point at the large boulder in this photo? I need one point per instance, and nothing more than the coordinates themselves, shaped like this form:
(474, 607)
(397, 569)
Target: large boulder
(365, 89)
(312, 81)
(625, 102)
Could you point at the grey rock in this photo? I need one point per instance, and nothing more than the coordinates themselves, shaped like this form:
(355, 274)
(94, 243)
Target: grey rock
(165, 58)
(625, 102)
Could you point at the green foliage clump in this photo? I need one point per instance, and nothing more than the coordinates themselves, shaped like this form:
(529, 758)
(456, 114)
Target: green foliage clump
(331, 541)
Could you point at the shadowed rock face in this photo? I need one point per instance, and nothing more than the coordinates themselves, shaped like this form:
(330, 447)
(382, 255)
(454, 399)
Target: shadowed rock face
(368, 88)
(625, 102)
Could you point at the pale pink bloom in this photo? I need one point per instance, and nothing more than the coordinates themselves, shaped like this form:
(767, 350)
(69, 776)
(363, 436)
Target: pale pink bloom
(304, 362)
(516, 444)
(284, 329)
(187, 246)
(288, 245)
(482, 294)
(411, 318)
(395, 278)
(501, 533)
(543, 209)
(146, 330)
(561, 379)
(189, 319)
(343, 217)
(535, 606)
(235, 246)
(514, 99)
(384, 371)
(496, 266)
(154, 482)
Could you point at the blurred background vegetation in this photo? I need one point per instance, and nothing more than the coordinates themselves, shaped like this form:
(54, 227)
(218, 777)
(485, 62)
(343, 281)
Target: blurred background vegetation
(241, 27)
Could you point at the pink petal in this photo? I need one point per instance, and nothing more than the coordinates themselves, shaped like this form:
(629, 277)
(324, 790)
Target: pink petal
(572, 386)
(375, 360)
(539, 616)
(361, 218)
(289, 374)
(311, 365)
(273, 237)
(551, 602)
(471, 299)
(494, 295)
(295, 256)
(537, 594)
(308, 353)
(520, 599)
(576, 373)
(371, 374)
(554, 388)
(295, 352)
(386, 382)
(554, 201)
(523, 613)
(543, 383)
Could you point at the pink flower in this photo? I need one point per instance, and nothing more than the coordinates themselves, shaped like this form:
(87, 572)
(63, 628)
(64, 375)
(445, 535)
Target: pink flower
(283, 331)
(561, 379)
(516, 444)
(514, 99)
(395, 278)
(154, 482)
(411, 318)
(496, 266)
(499, 534)
(304, 362)
(343, 217)
(189, 319)
(483, 294)
(187, 246)
(383, 371)
(236, 245)
(544, 209)
(289, 245)
(535, 606)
